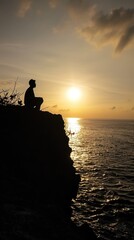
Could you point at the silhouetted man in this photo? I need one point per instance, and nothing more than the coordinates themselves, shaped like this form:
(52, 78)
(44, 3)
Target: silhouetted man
(30, 100)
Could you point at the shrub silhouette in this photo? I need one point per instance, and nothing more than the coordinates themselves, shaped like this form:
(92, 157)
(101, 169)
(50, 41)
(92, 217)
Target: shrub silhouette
(13, 98)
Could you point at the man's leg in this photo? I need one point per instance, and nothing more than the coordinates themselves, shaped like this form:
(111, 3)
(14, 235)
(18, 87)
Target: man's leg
(38, 102)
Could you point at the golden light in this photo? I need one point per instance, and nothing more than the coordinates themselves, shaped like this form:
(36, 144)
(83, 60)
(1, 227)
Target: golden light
(73, 125)
(74, 93)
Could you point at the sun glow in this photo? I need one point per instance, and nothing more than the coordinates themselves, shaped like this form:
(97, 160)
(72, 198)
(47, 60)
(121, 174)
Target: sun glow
(73, 125)
(74, 93)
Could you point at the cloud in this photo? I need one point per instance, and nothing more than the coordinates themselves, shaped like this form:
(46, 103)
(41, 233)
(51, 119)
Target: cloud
(64, 110)
(98, 28)
(125, 39)
(132, 109)
(53, 3)
(54, 106)
(115, 27)
(113, 108)
(25, 6)
(79, 9)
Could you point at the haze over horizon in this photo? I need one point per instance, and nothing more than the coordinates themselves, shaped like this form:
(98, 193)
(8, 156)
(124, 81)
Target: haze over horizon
(84, 45)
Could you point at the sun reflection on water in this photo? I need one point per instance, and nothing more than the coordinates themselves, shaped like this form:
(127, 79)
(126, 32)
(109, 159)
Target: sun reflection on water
(73, 126)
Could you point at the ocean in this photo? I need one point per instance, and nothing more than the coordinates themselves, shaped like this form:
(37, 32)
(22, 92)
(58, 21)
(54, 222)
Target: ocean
(103, 154)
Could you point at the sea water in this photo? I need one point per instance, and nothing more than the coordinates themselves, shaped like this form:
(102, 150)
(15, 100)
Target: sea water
(103, 154)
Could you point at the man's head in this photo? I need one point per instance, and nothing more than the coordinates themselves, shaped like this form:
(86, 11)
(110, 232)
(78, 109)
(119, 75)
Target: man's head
(32, 83)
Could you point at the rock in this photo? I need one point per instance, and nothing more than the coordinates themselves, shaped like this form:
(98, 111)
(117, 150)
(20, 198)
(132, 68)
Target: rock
(36, 156)
(38, 178)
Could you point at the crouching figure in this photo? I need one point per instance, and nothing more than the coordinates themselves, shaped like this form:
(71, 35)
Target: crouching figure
(30, 100)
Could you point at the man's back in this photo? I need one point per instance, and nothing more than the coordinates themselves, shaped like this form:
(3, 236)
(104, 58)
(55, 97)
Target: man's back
(29, 97)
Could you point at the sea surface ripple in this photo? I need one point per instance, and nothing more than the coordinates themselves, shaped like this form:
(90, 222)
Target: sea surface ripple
(103, 153)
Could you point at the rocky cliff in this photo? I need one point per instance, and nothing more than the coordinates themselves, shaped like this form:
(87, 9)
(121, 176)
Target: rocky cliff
(38, 178)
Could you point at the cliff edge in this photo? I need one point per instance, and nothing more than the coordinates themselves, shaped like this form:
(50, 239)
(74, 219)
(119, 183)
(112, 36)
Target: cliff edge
(38, 177)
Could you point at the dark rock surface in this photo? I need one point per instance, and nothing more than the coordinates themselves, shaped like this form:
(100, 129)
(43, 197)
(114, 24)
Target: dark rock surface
(38, 179)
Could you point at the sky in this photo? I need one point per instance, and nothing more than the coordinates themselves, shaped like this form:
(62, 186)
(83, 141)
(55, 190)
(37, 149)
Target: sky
(84, 44)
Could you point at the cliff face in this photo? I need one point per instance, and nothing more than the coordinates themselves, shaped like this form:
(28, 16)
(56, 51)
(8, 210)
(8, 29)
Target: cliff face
(38, 179)
(36, 163)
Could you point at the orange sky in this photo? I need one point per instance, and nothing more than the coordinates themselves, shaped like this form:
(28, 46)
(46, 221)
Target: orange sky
(63, 44)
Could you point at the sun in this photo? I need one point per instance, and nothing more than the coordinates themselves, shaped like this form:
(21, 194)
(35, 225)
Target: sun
(74, 93)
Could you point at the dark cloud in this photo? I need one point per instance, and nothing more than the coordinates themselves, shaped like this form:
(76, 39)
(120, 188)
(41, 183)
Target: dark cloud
(115, 27)
(125, 39)
(96, 27)
(113, 108)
